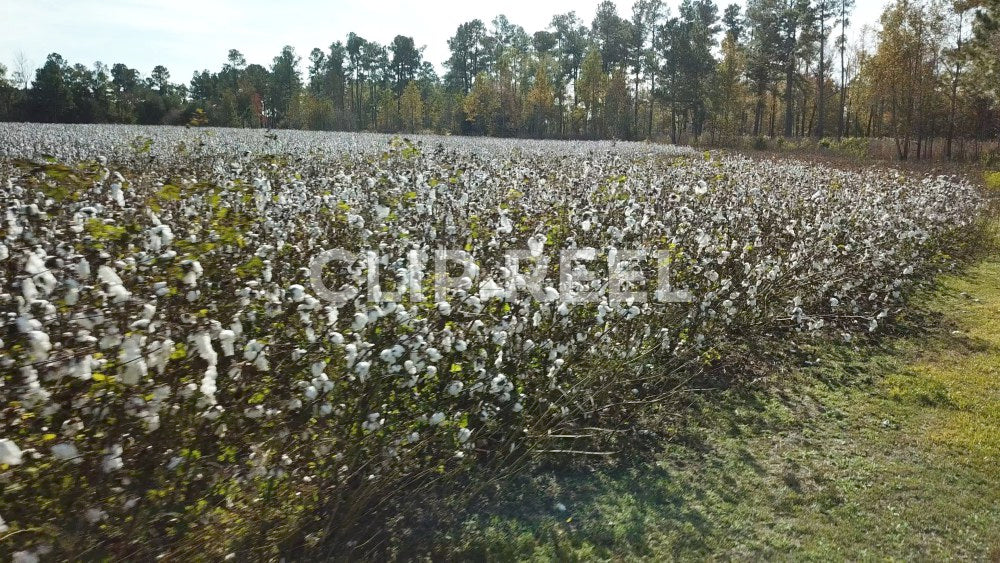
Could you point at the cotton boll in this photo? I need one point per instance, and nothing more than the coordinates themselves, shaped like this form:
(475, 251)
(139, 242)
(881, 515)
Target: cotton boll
(112, 461)
(360, 320)
(361, 369)
(108, 276)
(159, 355)
(132, 361)
(254, 352)
(227, 339)
(41, 274)
(24, 557)
(66, 451)
(117, 195)
(203, 342)
(40, 345)
(10, 454)
(28, 290)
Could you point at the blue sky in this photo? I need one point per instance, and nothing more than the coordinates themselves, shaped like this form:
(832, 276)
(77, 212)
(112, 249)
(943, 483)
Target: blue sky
(189, 35)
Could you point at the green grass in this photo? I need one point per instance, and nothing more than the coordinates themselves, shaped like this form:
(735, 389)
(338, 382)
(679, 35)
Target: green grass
(992, 179)
(873, 453)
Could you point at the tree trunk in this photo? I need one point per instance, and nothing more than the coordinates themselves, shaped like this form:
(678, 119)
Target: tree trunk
(789, 101)
(821, 126)
(954, 89)
(841, 117)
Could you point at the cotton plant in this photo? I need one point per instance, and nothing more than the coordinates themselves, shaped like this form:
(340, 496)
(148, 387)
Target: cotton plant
(165, 333)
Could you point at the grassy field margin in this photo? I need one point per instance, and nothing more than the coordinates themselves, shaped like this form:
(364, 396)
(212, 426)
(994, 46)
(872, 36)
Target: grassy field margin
(870, 451)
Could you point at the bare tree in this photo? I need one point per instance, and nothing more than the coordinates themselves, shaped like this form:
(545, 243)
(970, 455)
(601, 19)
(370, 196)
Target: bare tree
(22, 71)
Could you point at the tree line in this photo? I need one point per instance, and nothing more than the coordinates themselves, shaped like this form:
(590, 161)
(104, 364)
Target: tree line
(778, 69)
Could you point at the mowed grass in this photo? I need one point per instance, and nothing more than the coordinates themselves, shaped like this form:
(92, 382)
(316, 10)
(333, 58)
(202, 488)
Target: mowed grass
(861, 453)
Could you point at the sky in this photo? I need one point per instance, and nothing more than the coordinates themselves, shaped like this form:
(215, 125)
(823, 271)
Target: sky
(192, 35)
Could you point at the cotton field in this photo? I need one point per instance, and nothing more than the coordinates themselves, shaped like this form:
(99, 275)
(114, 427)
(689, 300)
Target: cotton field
(217, 341)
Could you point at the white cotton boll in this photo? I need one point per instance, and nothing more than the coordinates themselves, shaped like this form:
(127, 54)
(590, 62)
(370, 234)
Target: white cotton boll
(387, 356)
(296, 292)
(28, 290)
(4, 252)
(160, 289)
(203, 342)
(24, 557)
(444, 308)
(119, 294)
(437, 418)
(3, 526)
(117, 195)
(360, 320)
(192, 273)
(94, 515)
(310, 392)
(113, 460)
(227, 339)
(148, 311)
(362, 369)
(83, 269)
(550, 295)
(563, 309)
(82, 368)
(463, 435)
(72, 296)
(26, 324)
(10, 454)
(108, 276)
(132, 361)
(454, 388)
(159, 355)
(41, 274)
(254, 352)
(373, 423)
(536, 244)
(506, 225)
(336, 338)
(66, 451)
(40, 345)
(489, 289)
